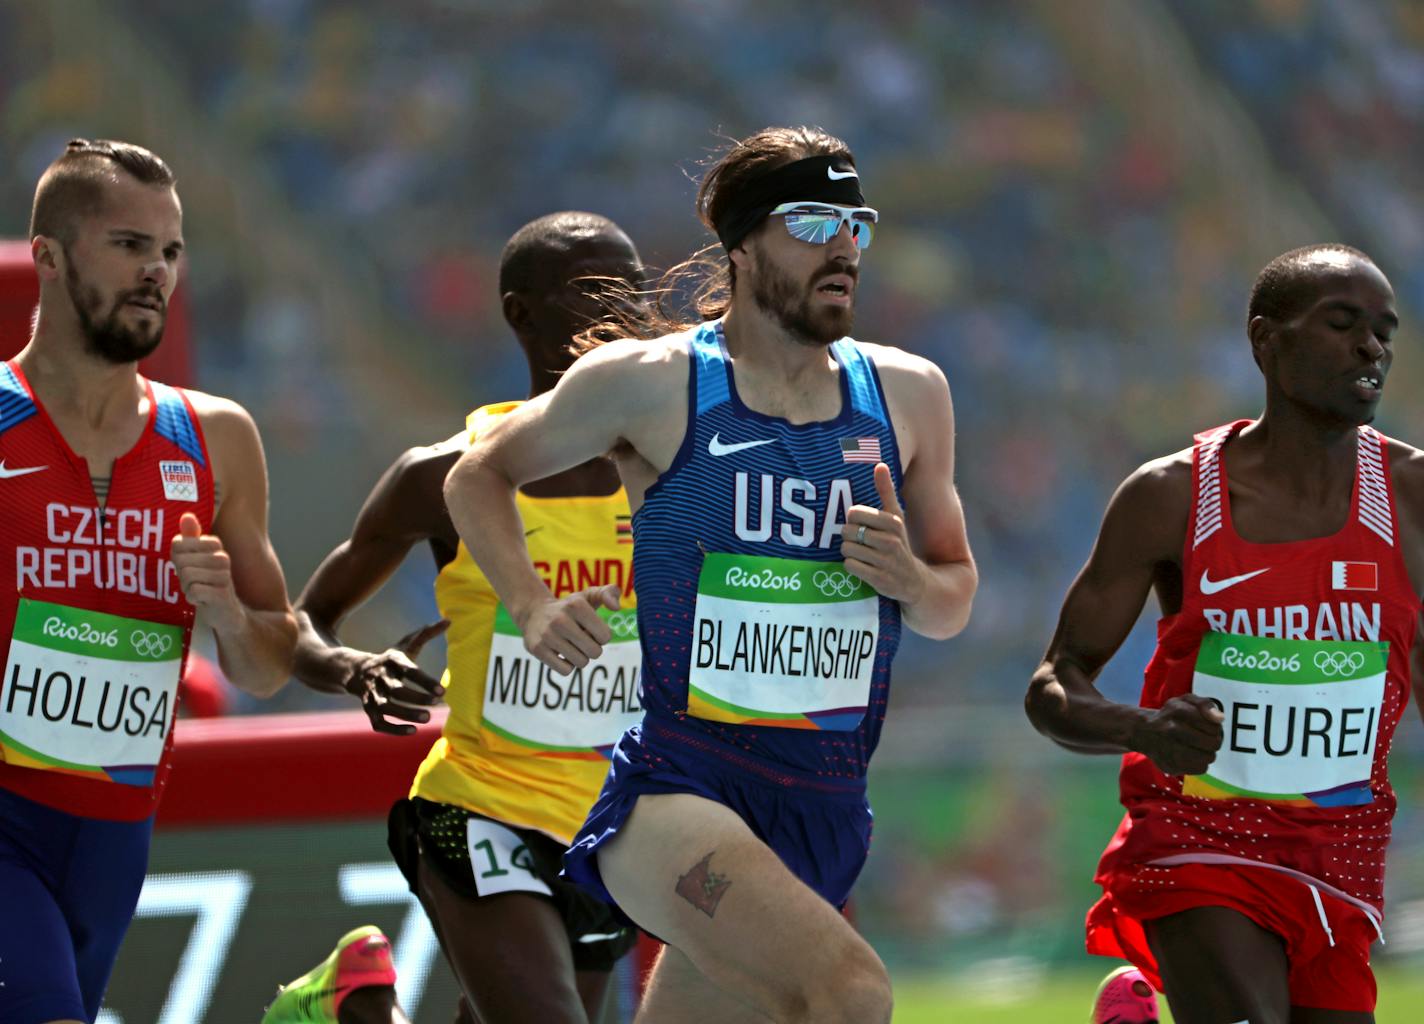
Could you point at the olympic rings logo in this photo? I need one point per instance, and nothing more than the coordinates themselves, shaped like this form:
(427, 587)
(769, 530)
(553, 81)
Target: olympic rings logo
(836, 583)
(1337, 663)
(150, 645)
(624, 625)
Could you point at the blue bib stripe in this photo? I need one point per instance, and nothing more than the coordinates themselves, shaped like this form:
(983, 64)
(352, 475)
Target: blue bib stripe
(796, 482)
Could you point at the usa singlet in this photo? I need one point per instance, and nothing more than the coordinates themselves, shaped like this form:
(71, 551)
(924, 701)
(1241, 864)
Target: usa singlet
(1305, 647)
(95, 626)
(755, 639)
(522, 744)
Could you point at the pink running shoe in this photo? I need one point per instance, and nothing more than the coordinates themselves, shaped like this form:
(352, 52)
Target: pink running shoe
(1125, 997)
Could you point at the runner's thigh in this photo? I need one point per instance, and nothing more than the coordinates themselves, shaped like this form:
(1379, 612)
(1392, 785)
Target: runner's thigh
(509, 951)
(38, 982)
(678, 993)
(1220, 967)
(690, 871)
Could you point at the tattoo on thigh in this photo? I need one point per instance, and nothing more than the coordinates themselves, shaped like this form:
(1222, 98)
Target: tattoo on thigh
(703, 887)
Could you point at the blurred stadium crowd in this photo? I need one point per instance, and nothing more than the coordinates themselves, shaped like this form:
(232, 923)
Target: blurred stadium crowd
(1073, 207)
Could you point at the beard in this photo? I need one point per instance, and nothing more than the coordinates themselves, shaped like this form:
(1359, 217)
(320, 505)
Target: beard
(107, 337)
(780, 298)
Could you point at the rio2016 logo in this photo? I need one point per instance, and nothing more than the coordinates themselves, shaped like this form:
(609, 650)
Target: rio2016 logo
(1265, 661)
(762, 579)
(79, 632)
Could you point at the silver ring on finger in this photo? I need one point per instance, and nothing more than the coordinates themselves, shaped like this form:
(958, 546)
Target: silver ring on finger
(860, 534)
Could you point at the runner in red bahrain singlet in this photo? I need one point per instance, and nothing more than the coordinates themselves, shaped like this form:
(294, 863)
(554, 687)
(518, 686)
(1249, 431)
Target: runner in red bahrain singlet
(1246, 879)
(1306, 646)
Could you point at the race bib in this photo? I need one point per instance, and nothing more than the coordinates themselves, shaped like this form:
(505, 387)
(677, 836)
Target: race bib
(1302, 718)
(782, 642)
(500, 860)
(88, 693)
(529, 703)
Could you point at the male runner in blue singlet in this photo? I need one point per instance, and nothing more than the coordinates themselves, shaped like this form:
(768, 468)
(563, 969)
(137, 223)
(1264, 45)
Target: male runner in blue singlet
(765, 456)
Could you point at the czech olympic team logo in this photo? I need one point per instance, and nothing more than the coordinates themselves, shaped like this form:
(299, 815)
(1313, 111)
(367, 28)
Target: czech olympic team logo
(150, 645)
(835, 583)
(1338, 663)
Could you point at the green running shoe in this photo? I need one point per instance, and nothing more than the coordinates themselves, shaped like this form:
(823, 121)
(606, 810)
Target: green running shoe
(361, 959)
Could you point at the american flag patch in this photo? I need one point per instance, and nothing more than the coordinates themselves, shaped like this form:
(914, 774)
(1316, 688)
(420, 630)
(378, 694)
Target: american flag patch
(1354, 575)
(860, 449)
(624, 529)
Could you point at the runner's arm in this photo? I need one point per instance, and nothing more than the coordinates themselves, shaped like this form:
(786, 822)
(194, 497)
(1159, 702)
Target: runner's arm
(233, 575)
(405, 508)
(1406, 468)
(1416, 667)
(1143, 529)
(935, 578)
(603, 401)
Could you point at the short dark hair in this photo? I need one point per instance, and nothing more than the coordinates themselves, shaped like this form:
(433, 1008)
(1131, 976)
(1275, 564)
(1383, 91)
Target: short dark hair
(537, 249)
(1284, 285)
(73, 186)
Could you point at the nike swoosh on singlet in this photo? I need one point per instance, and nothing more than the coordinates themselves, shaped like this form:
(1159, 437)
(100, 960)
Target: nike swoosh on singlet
(601, 938)
(7, 473)
(1209, 586)
(836, 175)
(716, 447)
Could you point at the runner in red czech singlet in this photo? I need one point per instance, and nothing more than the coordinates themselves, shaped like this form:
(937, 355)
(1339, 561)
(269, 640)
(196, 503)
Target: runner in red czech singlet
(130, 507)
(1247, 876)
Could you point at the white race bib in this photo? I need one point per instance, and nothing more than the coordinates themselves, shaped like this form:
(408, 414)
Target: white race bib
(500, 860)
(90, 693)
(528, 703)
(1302, 718)
(782, 642)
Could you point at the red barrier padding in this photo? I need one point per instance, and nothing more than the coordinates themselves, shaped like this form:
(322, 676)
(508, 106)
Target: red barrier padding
(317, 766)
(20, 291)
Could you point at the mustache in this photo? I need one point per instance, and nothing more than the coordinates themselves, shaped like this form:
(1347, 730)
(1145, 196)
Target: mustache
(850, 270)
(151, 294)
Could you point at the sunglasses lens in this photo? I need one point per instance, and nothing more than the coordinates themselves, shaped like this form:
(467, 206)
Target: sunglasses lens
(818, 228)
(862, 229)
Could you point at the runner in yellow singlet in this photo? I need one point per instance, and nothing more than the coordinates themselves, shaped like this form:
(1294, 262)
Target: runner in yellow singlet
(523, 752)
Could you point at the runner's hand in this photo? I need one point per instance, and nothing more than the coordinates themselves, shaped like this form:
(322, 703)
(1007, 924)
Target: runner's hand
(205, 574)
(391, 685)
(566, 633)
(1183, 735)
(884, 559)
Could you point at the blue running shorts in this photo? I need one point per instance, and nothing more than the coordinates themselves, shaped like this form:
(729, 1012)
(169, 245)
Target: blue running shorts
(818, 826)
(70, 886)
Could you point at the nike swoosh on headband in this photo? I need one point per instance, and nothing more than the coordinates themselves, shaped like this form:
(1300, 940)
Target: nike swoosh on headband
(836, 175)
(1210, 586)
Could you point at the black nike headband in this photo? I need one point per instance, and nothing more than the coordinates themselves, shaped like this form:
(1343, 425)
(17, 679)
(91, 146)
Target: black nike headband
(822, 179)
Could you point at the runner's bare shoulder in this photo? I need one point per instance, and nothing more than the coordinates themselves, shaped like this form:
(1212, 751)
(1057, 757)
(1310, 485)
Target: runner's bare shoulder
(900, 369)
(643, 375)
(229, 431)
(1154, 503)
(1406, 471)
(1406, 468)
(418, 474)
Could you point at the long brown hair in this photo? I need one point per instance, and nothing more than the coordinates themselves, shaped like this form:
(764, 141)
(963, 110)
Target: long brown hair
(700, 287)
